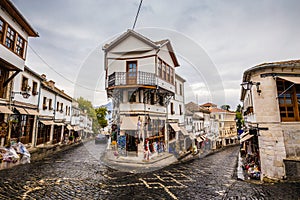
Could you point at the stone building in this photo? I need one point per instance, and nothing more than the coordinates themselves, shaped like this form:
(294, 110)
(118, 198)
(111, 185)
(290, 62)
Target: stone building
(271, 96)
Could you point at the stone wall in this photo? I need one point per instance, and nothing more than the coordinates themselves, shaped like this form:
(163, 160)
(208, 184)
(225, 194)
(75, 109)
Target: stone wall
(292, 142)
(272, 152)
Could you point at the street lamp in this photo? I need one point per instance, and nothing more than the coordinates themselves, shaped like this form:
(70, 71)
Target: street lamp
(25, 95)
(248, 85)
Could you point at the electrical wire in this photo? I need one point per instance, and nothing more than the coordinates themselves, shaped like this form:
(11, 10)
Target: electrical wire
(137, 14)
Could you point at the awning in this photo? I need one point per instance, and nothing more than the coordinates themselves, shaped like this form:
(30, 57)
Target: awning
(77, 128)
(129, 123)
(32, 112)
(175, 127)
(293, 79)
(6, 110)
(199, 139)
(59, 124)
(247, 137)
(22, 111)
(69, 127)
(45, 122)
(183, 131)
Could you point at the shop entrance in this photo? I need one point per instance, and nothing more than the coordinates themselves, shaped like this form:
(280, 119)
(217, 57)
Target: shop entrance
(131, 142)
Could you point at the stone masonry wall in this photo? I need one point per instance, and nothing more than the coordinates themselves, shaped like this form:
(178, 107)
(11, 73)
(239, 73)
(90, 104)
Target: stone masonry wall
(272, 152)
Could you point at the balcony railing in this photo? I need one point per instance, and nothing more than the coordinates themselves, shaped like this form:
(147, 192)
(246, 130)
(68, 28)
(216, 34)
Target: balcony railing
(126, 78)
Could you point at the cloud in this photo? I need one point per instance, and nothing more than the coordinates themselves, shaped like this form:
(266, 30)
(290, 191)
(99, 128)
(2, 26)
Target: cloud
(225, 37)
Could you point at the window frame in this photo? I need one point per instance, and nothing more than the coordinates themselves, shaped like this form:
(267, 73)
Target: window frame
(288, 101)
(24, 83)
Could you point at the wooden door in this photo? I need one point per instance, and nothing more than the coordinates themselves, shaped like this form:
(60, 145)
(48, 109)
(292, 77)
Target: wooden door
(131, 70)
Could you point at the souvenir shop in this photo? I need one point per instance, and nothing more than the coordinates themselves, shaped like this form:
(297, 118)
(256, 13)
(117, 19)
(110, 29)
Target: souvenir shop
(250, 155)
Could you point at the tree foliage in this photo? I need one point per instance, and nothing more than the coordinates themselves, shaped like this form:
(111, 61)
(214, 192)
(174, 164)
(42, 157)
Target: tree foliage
(225, 107)
(101, 114)
(87, 106)
(239, 117)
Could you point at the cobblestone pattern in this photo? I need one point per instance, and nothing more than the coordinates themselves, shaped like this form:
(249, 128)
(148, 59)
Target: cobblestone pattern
(78, 174)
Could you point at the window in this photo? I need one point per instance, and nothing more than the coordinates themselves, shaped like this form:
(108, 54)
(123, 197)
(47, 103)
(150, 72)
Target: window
(57, 106)
(168, 73)
(50, 104)
(131, 96)
(171, 75)
(1, 30)
(69, 111)
(34, 88)
(175, 87)
(172, 109)
(24, 86)
(180, 89)
(220, 116)
(61, 107)
(3, 77)
(288, 100)
(180, 110)
(10, 38)
(44, 103)
(159, 72)
(20, 46)
(66, 110)
(164, 72)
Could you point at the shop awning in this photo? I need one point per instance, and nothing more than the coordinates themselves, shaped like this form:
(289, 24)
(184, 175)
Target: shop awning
(184, 131)
(247, 137)
(77, 128)
(59, 124)
(45, 122)
(6, 110)
(32, 112)
(293, 79)
(175, 127)
(199, 139)
(129, 123)
(69, 127)
(22, 111)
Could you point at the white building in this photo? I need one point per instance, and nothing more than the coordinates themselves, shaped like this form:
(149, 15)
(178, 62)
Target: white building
(55, 113)
(140, 78)
(24, 104)
(14, 33)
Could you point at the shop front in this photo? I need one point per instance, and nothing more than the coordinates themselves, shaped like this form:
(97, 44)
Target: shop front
(44, 131)
(250, 156)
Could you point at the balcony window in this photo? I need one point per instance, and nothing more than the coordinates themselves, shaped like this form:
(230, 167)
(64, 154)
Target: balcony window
(171, 75)
(1, 30)
(20, 46)
(164, 72)
(159, 71)
(10, 38)
(168, 73)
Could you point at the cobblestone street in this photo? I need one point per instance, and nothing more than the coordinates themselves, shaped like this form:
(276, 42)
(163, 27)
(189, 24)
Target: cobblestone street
(78, 174)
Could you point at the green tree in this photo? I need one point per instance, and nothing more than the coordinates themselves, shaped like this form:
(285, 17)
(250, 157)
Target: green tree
(239, 117)
(101, 114)
(225, 107)
(87, 106)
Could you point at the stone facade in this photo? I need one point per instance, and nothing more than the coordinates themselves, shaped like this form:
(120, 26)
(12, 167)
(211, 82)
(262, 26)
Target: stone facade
(262, 109)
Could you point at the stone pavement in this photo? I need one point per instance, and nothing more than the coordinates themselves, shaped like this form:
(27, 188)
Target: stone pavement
(78, 173)
(137, 164)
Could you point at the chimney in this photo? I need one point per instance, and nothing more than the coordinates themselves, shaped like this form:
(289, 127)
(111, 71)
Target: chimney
(51, 83)
(43, 76)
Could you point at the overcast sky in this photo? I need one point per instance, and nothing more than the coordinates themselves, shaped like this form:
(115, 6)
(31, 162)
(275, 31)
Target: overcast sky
(215, 41)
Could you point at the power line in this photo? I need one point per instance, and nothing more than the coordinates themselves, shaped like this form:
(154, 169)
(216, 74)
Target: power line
(69, 80)
(137, 14)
